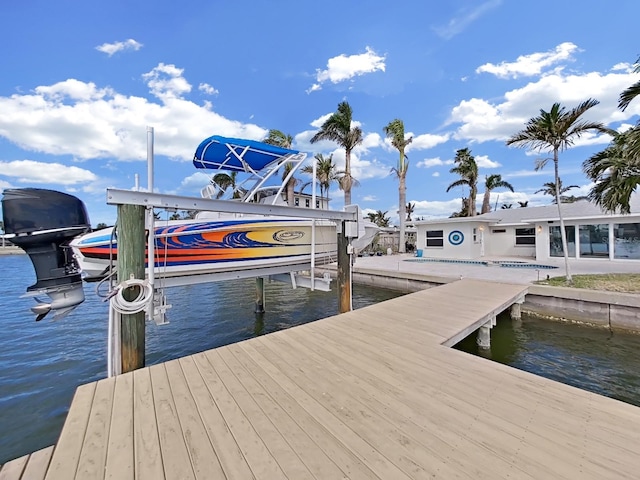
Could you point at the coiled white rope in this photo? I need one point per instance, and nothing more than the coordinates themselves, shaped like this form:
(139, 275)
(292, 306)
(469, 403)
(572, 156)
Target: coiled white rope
(140, 303)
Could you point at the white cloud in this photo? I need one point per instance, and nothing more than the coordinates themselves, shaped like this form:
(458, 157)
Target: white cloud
(426, 208)
(208, 89)
(343, 67)
(111, 48)
(433, 162)
(483, 161)
(465, 18)
(435, 174)
(370, 198)
(427, 140)
(482, 120)
(166, 81)
(82, 120)
(29, 171)
(532, 64)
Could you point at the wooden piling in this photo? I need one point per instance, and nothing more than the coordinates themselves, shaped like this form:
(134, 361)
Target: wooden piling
(259, 295)
(131, 261)
(344, 270)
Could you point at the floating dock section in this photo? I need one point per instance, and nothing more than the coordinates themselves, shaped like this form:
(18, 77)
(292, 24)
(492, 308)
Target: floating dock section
(372, 393)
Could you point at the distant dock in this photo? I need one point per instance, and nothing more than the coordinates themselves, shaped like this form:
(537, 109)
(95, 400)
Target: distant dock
(372, 393)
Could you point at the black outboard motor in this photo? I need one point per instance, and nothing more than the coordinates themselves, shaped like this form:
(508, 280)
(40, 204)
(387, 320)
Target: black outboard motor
(42, 222)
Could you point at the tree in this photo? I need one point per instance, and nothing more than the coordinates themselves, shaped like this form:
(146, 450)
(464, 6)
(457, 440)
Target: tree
(555, 131)
(467, 168)
(550, 189)
(326, 173)
(523, 204)
(492, 182)
(283, 140)
(224, 181)
(411, 207)
(101, 225)
(507, 206)
(379, 218)
(395, 132)
(337, 128)
(616, 174)
(616, 170)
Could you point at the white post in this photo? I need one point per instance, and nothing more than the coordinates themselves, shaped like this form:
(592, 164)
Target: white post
(313, 227)
(151, 243)
(481, 241)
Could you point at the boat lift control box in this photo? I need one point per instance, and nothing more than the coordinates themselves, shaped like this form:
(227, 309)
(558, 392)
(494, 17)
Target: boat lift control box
(351, 227)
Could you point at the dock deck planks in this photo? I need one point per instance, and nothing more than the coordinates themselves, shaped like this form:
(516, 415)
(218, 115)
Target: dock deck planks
(368, 394)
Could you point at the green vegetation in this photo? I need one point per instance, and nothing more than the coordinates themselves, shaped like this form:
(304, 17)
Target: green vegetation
(610, 282)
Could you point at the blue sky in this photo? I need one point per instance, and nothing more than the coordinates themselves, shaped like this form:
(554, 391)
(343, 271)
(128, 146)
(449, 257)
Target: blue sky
(81, 81)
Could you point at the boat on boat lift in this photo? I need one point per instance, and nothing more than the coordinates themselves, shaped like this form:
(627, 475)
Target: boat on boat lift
(244, 171)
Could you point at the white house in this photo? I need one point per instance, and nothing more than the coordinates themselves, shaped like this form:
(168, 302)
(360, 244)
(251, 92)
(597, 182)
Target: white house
(534, 233)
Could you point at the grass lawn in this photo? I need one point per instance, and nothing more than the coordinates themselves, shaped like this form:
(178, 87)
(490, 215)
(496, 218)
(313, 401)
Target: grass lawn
(610, 282)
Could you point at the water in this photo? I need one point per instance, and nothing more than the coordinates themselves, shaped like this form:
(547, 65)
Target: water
(593, 359)
(41, 364)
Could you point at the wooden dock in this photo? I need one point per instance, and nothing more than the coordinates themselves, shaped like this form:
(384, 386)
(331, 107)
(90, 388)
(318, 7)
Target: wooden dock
(367, 394)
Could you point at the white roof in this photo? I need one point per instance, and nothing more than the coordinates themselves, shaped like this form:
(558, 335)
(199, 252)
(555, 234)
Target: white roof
(579, 210)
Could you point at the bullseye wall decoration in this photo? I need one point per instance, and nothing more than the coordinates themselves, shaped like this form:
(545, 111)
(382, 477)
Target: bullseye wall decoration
(456, 237)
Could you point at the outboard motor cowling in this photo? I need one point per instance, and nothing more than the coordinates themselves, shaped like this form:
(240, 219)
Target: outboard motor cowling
(42, 222)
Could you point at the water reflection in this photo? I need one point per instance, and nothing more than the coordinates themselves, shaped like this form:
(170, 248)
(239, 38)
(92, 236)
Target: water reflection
(593, 359)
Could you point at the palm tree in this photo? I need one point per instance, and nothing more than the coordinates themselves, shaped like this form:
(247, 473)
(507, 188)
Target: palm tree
(616, 170)
(550, 189)
(507, 206)
(411, 207)
(395, 132)
(616, 175)
(338, 129)
(555, 131)
(524, 204)
(224, 181)
(326, 172)
(467, 168)
(379, 218)
(492, 182)
(283, 140)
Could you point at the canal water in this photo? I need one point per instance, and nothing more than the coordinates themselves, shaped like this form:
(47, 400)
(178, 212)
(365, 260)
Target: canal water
(590, 358)
(41, 364)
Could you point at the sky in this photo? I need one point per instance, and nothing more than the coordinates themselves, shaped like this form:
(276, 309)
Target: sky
(81, 81)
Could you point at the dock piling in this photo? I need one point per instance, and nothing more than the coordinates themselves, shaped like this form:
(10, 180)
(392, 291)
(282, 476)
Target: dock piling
(131, 262)
(259, 295)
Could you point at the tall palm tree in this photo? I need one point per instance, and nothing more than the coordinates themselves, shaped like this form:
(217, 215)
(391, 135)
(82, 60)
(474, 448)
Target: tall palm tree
(338, 128)
(555, 131)
(283, 140)
(524, 204)
(395, 132)
(467, 168)
(549, 188)
(492, 182)
(616, 175)
(326, 172)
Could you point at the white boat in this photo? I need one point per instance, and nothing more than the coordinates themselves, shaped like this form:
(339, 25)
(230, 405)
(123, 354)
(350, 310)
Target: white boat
(216, 242)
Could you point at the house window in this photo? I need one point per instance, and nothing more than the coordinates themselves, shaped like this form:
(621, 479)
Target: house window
(499, 230)
(297, 202)
(435, 238)
(317, 203)
(594, 240)
(555, 241)
(626, 237)
(525, 236)
(306, 202)
(475, 235)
